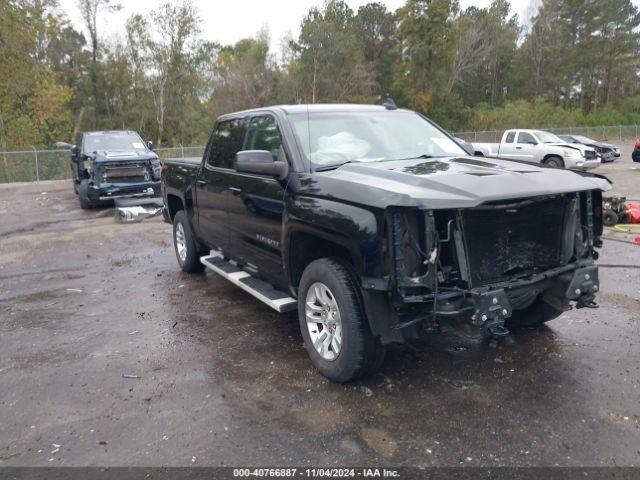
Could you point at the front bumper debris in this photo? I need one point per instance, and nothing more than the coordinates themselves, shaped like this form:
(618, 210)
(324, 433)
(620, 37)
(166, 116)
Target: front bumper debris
(111, 191)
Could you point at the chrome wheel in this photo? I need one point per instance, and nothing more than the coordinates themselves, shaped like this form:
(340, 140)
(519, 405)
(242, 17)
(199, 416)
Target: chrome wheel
(323, 321)
(181, 244)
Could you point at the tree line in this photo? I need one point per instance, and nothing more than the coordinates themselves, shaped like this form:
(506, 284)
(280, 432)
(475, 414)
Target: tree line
(574, 62)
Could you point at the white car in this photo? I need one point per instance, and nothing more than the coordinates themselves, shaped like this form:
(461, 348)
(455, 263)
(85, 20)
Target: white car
(538, 146)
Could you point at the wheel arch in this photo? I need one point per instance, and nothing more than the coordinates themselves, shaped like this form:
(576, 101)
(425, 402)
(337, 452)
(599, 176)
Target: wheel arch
(304, 247)
(174, 205)
(553, 155)
(317, 228)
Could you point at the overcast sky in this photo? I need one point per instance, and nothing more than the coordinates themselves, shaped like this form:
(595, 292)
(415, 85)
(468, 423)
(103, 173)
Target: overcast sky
(229, 21)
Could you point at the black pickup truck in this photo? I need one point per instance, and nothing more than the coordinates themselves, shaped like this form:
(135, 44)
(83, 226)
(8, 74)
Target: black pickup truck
(113, 164)
(378, 227)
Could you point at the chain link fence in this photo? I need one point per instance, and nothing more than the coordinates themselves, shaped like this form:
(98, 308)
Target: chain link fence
(32, 165)
(605, 134)
(29, 165)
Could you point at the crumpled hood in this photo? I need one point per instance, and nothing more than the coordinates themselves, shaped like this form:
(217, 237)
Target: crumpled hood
(446, 182)
(123, 156)
(576, 146)
(606, 145)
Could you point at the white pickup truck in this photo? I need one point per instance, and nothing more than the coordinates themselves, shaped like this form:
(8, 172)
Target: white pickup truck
(537, 146)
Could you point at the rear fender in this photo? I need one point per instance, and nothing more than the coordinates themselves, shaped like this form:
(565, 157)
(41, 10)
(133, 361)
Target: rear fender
(180, 184)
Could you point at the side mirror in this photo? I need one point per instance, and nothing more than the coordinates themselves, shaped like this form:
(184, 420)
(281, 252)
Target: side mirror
(63, 145)
(260, 162)
(75, 153)
(150, 145)
(532, 142)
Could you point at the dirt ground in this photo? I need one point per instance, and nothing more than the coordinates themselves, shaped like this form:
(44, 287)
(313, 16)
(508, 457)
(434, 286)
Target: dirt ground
(226, 381)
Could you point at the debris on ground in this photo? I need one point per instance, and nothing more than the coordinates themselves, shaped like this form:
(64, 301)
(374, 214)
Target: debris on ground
(128, 375)
(367, 391)
(136, 214)
(464, 384)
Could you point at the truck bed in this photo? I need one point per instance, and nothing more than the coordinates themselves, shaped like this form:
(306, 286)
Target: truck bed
(487, 149)
(192, 161)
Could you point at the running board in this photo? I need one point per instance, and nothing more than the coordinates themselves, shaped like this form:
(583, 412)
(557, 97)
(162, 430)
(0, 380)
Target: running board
(279, 301)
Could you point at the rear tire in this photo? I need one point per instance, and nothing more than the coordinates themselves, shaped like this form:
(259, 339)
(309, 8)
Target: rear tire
(554, 162)
(359, 353)
(534, 315)
(83, 195)
(187, 248)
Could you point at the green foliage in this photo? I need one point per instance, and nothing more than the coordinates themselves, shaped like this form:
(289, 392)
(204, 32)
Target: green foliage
(540, 113)
(33, 102)
(476, 69)
(331, 66)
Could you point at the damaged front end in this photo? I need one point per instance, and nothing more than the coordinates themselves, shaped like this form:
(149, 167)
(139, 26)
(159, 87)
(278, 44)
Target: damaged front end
(474, 271)
(125, 178)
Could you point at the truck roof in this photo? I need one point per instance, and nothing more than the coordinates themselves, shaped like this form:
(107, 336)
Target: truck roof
(528, 130)
(108, 132)
(317, 107)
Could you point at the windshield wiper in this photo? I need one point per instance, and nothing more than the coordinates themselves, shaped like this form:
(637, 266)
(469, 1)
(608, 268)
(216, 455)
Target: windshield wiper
(333, 166)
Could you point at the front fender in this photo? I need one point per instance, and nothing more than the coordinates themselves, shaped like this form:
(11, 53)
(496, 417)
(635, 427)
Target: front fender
(350, 226)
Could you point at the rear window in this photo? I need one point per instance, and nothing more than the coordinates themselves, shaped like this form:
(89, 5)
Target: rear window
(226, 142)
(511, 136)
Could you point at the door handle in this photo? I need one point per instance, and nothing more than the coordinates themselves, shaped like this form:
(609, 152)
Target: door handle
(518, 148)
(236, 190)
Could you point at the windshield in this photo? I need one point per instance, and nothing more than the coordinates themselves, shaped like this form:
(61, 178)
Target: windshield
(582, 139)
(546, 137)
(334, 138)
(113, 141)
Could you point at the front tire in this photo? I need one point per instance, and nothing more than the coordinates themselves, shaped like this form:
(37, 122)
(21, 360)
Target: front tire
(333, 323)
(609, 218)
(554, 162)
(83, 195)
(535, 315)
(185, 244)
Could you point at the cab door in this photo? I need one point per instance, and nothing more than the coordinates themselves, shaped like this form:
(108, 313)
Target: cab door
(214, 180)
(508, 147)
(526, 147)
(256, 206)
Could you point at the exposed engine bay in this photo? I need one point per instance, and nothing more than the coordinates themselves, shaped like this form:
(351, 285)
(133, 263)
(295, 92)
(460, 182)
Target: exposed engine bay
(478, 267)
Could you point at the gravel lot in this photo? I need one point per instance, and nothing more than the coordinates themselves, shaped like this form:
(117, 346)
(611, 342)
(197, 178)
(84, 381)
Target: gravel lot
(226, 381)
